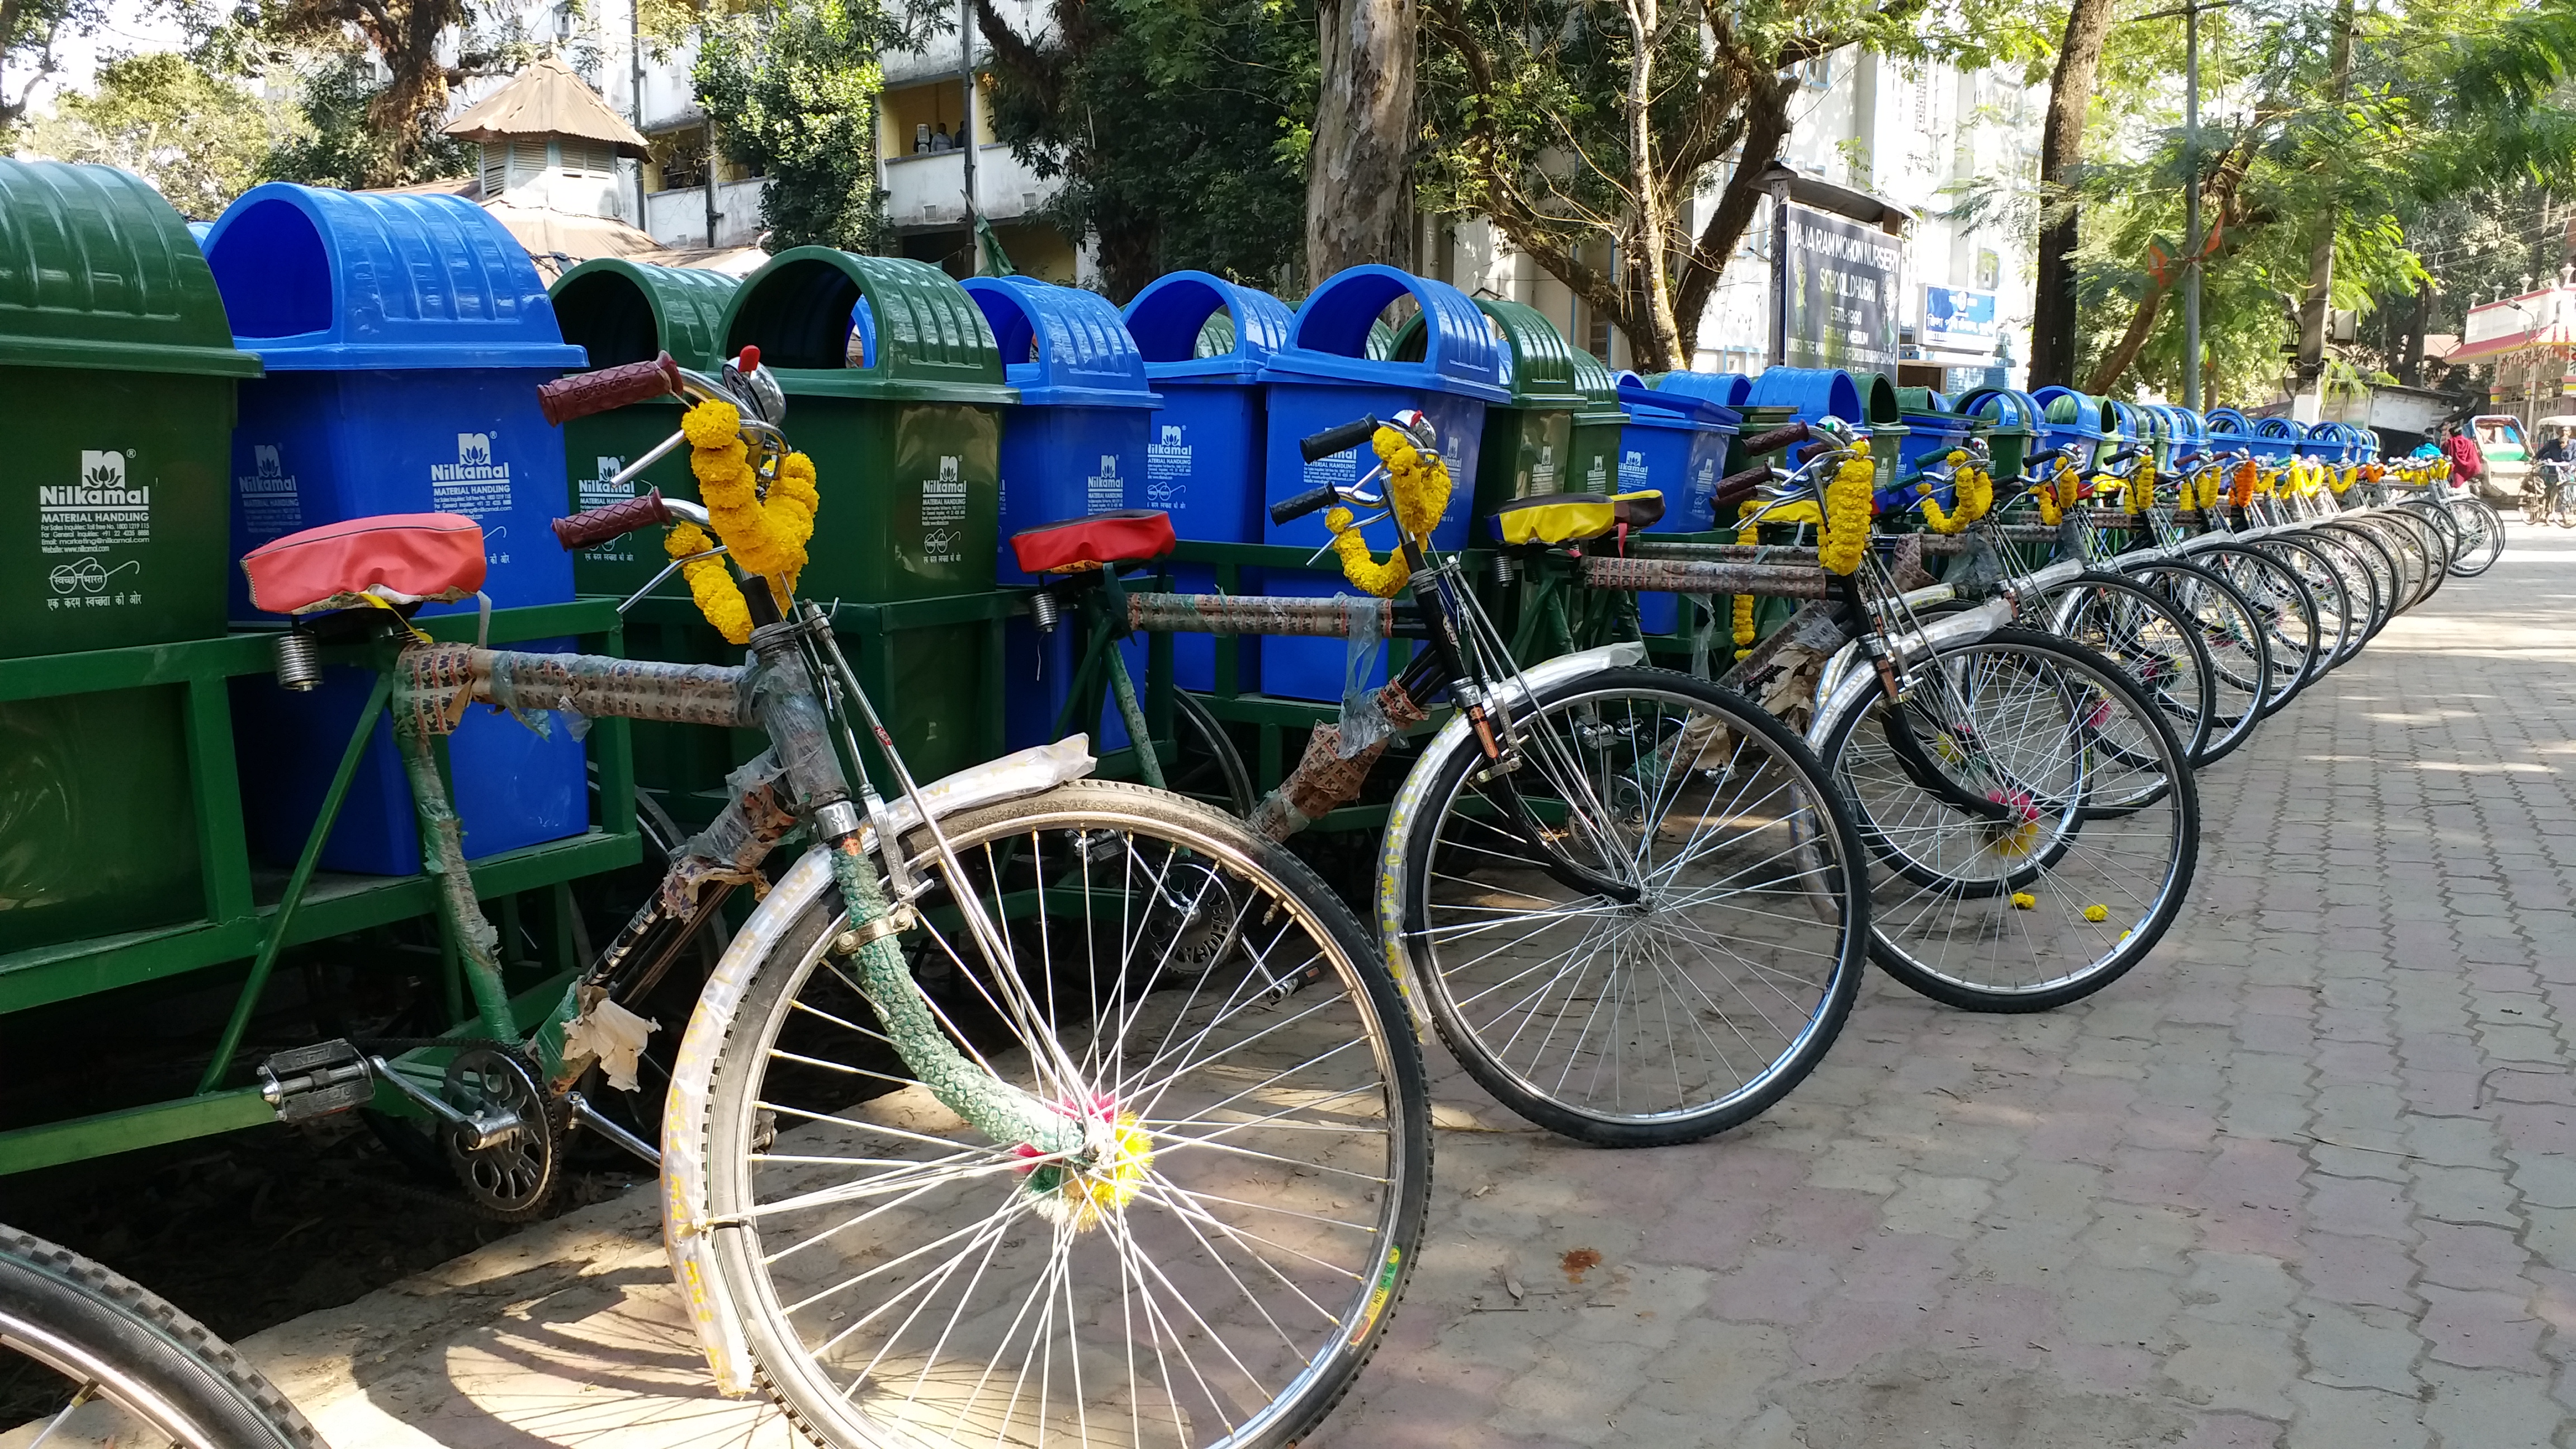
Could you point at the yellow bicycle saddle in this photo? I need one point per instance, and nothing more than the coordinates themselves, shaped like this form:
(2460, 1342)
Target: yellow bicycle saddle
(1561, 518)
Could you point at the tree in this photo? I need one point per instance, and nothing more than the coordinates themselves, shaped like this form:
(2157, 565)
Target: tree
(198, 140)
(1587, 128)
(1177, 129)
(2316, 187)
(339, 144)
(29, 31)
(1359, 178)
(792, 87)
(2061, 152)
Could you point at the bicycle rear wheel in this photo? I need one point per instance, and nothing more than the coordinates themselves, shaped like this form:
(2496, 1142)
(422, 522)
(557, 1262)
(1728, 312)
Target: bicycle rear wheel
(2147, 635)
(1692, 1010)
(2289, 613)
(91, 1358)
(2233, 640)
(2067, 888)
(1213, 1267)
(2481, 537)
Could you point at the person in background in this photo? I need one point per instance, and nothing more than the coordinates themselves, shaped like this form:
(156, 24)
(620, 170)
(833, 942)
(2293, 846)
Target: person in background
(2468, 462)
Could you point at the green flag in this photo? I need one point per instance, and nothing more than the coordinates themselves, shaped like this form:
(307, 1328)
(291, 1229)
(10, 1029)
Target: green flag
(990, 259)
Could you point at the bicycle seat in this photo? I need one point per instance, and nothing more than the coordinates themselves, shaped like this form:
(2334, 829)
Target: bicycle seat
(1560, 518)
(1079, 545)
(401, 558)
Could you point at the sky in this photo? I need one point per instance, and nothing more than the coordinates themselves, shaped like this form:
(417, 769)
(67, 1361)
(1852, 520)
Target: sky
(132, 25)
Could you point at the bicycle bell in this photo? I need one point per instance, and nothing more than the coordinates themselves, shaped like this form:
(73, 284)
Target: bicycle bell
(755, 387)
(1414, 425)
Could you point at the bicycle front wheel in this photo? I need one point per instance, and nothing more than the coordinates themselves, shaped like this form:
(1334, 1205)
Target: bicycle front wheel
(1215, 1264)
(91, 1358)
(2032, 823)
(1692, 1009)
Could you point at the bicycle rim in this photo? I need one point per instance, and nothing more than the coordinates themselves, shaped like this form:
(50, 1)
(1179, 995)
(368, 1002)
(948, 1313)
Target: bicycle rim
(2288, 612)
(1692, 1010)
(1213, 1268)
(2146, 635)
(2050, 904)
(2233, 643)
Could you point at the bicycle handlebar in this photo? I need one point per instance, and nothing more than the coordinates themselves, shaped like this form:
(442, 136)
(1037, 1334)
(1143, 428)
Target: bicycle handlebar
(1319, 446)
(1778, 438)
(1301, 505)
(1736, 487)
(595, 526)
(585, 393)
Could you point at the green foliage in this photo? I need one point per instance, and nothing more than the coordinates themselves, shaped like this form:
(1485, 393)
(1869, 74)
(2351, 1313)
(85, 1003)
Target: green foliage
(792, 87)
(198, 140)
(339, 143)
(29, 31)
(1177, 130)
(1528, 120)
(2450, 104)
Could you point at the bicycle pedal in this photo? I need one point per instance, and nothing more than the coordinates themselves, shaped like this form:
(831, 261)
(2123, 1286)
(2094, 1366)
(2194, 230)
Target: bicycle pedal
(316, 1081)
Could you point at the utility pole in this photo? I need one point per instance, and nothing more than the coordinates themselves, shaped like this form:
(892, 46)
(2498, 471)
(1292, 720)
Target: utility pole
(966, 127)
(635, 83)
(2191, 366)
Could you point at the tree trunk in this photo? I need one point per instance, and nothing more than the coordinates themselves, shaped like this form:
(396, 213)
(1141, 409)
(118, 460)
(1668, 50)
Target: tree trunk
(2309, 405)
(2410, 361)
(1359, 178)
(1651, 346)
(2061, 150)
(2142, 323)
(1766, 126)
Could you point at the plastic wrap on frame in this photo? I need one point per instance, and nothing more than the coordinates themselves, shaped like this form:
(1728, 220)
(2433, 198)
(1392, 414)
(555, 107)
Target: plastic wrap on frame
(757, 815)
(594, 687)
(1669, 576)
(1252, 614)
(783, 701)
(1363, 721)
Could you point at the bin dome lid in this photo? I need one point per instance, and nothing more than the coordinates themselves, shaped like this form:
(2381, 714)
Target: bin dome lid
(1330, 339)
(1539, 362)
(928, 340)
(2066, 410)
(620, 311)
(1824, 392)
(2279, 428)
(2227, 422)
(1656, 405)
(1062, 346)
(1169, 320)
(1600, 390)
(97, 271)
(2007, 409)
(318, 279)
(1728, 390)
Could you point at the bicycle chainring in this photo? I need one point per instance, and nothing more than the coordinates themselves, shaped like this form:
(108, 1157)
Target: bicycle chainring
(1195, 920)
(512, 1177)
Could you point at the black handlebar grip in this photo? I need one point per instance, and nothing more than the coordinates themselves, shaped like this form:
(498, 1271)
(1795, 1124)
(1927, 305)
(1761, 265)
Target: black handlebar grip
(1301, 505)
(1778, 438)
(1336, 440)
(1736, 487)
(596, 526)
(610, 388)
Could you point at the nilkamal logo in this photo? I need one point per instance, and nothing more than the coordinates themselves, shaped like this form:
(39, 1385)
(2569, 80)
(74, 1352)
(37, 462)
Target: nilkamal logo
(1171, 435)
(264, 458)
(610, 468)
(948, 469)
(1109, 465)
(267, 473)
(101, 485)
(473, 463)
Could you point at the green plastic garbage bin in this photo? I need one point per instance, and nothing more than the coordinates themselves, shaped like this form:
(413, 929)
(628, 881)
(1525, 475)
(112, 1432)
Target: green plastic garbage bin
(905, 432)
(119, 369)
(1593, 457)
(620, 312)
(1528, 441)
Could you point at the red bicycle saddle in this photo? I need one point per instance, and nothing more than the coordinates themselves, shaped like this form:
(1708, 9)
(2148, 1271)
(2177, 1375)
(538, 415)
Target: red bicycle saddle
(400, 557)
(1075, 545)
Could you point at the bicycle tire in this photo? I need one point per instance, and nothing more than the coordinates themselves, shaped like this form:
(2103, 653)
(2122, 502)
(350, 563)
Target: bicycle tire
(2285, 606)
(2134, 644)
(2343, 621)
(2361, 586)
(2479, 554)
(146, 1363)
(762, 1070)
(2436, 548)
(1592, 748)
(1205, 747)
(2397, 583)
(2240, 658)
(2012, 902)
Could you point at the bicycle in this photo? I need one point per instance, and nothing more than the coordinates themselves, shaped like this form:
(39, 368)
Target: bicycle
(89, 1357)
(1010, 1037)
(1627, 899)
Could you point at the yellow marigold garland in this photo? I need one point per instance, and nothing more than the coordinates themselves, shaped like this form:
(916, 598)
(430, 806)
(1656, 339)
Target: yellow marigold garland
(1359, 565)
(2140, 490)
(1417, 484)
(764, 537)
(710, 583)
(1743, 611)
(1849, 501)
(2058, 494)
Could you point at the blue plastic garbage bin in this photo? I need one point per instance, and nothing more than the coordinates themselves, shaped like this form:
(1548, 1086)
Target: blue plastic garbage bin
(404, 339)
(1327, 376)
(1074, 446)
(1674, 442)
(1205, 342)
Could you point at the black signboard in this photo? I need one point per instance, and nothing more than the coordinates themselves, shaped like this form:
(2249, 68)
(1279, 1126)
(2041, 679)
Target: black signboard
(1841, 292)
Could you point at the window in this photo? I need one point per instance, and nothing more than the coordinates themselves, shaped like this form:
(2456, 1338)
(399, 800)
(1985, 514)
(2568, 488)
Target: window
(680, 159)
(1817, 74)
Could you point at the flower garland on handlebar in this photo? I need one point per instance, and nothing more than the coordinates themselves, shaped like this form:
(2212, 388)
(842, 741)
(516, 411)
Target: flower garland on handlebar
(1973, 493)
(1850, 499)
(1417, 489)
(767, 537)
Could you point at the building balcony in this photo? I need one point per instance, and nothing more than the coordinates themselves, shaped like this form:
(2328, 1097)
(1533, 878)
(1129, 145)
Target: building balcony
(678, 218)
(928, 191)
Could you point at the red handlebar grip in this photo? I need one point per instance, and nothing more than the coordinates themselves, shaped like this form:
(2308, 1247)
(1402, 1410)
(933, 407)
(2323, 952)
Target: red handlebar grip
(1778, 438)
(596, 526)
(1736, 487)
(585, 393)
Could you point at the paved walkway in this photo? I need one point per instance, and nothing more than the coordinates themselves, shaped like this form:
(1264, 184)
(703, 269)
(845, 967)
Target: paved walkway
(2307, 1178)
